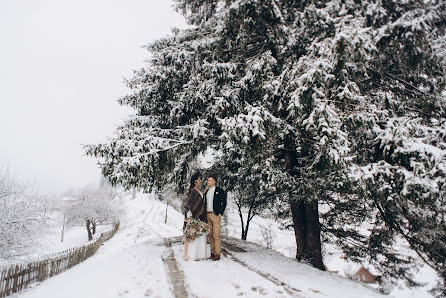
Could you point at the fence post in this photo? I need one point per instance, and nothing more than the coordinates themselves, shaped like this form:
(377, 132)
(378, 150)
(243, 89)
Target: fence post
(7, 281)
(2, 282)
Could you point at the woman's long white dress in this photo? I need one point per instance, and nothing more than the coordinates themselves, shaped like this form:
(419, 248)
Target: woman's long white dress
(198, 248)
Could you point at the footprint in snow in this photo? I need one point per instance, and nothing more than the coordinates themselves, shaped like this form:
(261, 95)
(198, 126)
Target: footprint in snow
(149, 292)
(122, 292)
(261, 290)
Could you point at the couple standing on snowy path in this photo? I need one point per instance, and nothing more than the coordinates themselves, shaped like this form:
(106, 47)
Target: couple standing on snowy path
(203, 216)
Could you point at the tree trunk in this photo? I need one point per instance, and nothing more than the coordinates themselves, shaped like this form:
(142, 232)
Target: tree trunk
(307, 233)
(167, 207)
(245, 236)
(63, 229)
(90, 235)
(245, 228)
(307, 229)
(245, 231)
(248, 220)
(240, 214)
(93, 227)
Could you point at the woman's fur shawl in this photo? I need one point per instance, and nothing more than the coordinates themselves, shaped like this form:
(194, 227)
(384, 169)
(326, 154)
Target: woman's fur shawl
(195, 204)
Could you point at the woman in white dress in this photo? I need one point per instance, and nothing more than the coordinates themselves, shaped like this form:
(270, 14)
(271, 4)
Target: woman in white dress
(195, 226)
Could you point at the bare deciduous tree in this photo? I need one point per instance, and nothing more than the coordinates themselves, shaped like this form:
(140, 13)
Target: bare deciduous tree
(23, 215)
(93, 207)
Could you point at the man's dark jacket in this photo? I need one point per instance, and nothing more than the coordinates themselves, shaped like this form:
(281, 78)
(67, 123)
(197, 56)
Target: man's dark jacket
(219, 200)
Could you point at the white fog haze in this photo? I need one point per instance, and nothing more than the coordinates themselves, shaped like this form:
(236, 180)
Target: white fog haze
(274, 149)
(62, 70)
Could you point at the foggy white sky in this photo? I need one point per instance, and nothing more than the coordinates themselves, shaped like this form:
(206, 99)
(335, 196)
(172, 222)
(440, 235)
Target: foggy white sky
(62, 65)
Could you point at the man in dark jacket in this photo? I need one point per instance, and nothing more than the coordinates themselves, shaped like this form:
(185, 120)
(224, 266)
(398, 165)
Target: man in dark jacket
(215, 201)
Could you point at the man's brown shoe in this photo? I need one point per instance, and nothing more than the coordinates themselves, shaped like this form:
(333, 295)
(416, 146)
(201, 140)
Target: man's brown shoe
(216, 258)
(212, 256)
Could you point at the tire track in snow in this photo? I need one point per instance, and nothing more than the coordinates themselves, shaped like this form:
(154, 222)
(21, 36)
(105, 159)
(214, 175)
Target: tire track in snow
(151, 222)
(145, 225)
(289, 289)
(155, 220)
(173, 270)
(178, 274)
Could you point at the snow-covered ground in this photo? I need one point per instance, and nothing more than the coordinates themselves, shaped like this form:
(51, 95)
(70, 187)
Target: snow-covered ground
(50, 241)
(130, 264)
(284, 242)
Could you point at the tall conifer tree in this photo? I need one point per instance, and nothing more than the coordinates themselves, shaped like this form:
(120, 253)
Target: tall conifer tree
(340, 103)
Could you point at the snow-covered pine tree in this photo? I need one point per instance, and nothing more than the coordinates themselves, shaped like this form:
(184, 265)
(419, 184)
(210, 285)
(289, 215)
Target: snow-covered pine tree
(402, 160)
(241, 173)
(321, 91)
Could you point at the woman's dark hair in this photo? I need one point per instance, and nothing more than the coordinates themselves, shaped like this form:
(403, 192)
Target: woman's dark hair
(194, 178)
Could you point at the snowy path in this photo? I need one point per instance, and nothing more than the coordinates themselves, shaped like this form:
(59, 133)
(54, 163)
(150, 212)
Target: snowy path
(226, 278)
(120, 269)
(174, 271)
(128, 265)
(144, 259)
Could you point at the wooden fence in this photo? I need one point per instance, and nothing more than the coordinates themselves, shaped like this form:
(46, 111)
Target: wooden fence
(16, 277)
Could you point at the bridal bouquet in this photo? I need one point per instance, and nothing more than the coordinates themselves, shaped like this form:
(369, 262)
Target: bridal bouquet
(195, 228)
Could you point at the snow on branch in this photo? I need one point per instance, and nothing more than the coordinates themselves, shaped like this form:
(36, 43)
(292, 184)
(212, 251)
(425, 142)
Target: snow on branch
(23, 217)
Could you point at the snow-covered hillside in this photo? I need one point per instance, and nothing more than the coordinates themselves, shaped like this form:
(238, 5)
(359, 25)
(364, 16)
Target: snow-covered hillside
(49, 241)
(128, 265)
(131, 265)
(283, 241)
